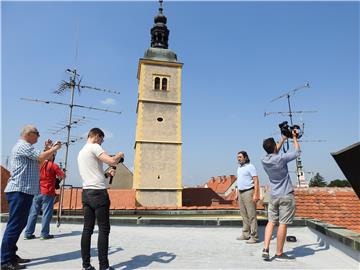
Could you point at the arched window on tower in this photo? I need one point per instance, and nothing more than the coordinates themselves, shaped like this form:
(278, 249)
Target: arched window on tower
(157, 83)
(164, 84)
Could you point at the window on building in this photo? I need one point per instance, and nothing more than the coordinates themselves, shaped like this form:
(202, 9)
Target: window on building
(161, 82)
(157, 83)
(164, 84)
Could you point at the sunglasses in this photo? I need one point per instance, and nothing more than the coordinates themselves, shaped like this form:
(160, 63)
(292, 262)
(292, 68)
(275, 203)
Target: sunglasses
(36, 133)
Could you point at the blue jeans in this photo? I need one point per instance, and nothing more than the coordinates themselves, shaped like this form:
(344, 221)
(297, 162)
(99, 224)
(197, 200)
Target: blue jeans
(19, 207)
(46, 203)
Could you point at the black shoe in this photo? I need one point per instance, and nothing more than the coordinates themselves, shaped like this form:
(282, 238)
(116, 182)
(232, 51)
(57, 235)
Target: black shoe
(284, 258)
(29, 237)
(17, 259)
(46, 237)
(12, 266)
(265, 254)
(89, 268)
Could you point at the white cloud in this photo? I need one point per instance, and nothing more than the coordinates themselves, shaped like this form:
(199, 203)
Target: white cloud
(108, 101)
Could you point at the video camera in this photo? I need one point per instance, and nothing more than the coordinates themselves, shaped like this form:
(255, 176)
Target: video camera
(287, 130)
(114, 167)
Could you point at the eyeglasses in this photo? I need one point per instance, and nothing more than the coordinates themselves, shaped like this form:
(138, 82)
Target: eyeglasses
(36, 133)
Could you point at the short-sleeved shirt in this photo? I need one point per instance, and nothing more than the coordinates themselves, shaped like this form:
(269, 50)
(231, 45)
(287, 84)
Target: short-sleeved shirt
(275, 165)
(245, 174)
(91, 168)
(24, 169)
(48, 173)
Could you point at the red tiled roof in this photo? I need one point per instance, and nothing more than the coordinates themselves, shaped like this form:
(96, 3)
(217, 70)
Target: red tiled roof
(221, 184)
(124, 199)
(202, 197)
(232, 196)
(337, 206)
(120, 199)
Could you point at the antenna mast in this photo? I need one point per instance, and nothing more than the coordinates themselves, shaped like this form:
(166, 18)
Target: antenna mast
(299, 168)
(74, 82)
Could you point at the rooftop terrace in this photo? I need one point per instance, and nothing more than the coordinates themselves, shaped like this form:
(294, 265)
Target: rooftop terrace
(185, 247)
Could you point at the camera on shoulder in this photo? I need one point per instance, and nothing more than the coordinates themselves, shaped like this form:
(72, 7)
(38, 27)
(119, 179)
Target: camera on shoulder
(287, 130)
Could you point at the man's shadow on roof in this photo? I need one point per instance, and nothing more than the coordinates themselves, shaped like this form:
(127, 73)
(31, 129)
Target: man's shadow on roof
(309, 250)
(68, 256)
(145, 260)
(73, 233)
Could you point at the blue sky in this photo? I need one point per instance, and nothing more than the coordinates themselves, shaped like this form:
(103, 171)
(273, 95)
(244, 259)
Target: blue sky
(237, 57)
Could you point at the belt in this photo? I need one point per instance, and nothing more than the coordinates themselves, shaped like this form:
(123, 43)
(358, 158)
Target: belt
(241, 191)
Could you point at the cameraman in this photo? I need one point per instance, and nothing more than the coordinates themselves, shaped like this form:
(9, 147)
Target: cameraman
(282, 202)
(95, 198)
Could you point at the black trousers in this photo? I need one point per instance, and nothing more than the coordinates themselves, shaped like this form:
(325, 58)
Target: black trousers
(96, 205)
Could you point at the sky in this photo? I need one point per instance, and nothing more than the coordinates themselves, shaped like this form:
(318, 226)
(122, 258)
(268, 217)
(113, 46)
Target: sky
(238, 56)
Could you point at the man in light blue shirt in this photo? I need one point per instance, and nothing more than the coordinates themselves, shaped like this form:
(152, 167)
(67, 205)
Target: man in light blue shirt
(23, 184)
(248, 185)
(282, 202)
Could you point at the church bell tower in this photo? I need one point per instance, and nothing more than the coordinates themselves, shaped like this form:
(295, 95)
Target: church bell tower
(157, 165)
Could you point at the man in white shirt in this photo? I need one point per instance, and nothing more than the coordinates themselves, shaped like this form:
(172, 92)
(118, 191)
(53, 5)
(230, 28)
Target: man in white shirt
(249, 194)
(95, 198)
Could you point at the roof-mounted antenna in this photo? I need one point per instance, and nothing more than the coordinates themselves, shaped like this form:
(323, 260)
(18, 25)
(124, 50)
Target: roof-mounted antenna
(74, 82)
(288, 95)
(299, 168)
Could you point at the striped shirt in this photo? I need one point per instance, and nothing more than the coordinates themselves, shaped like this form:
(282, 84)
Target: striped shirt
(24, 169)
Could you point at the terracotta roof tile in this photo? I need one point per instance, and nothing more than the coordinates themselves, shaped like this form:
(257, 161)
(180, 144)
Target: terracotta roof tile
(221, 184)
(337, 206)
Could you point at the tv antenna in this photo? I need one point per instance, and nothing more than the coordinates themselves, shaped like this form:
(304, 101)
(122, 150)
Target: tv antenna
(299, 168)
(73, 83)
(288, 95)
(78, 121)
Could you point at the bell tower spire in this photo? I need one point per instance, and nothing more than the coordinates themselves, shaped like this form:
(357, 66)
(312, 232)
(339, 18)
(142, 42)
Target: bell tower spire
(160, 32)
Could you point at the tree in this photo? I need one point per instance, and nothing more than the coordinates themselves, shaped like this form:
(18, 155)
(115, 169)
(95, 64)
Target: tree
(317, 181)
(339, 183)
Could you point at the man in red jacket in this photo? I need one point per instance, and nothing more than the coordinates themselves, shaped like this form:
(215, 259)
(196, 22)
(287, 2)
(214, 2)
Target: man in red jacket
(49, 172)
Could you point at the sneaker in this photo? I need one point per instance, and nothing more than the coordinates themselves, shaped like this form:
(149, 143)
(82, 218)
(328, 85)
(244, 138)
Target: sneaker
(29, 237)
(283, 258)
(242, 237)
(12, 266)
(252, 241)
(47, 237)
(89, 268)
(265, 254)
(18, 259)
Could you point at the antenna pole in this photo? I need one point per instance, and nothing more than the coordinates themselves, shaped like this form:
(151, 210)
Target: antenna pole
(71, 105)
(290, 112)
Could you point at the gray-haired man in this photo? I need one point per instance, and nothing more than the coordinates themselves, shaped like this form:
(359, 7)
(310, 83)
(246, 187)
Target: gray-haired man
(23, 184)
